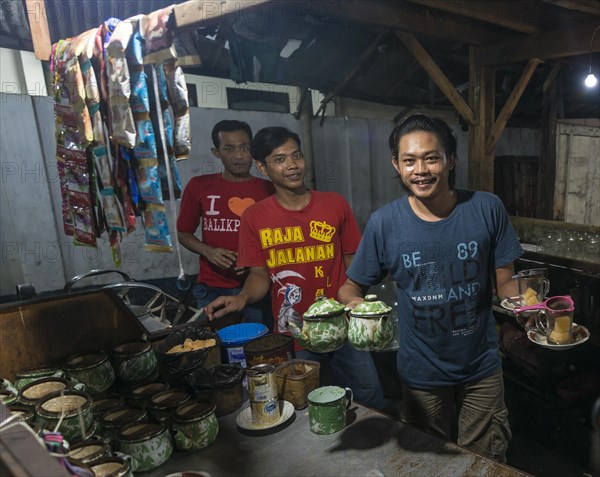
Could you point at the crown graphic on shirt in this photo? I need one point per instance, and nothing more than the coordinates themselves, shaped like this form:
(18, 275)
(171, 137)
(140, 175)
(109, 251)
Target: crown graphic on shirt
(321, 231)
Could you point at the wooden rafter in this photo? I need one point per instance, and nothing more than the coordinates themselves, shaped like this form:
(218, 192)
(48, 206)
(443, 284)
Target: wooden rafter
(517, 16)
(585, 6)
(432, 24)
(546, 46)
(510, 105)
(352, 73)
(38, 23)
(437, 75)
(196, 12)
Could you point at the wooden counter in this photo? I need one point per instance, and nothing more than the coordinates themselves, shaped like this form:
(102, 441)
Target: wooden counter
(372, 444)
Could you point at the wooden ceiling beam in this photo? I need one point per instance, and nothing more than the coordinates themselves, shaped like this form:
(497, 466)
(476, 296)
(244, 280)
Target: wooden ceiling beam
(510, 105)
(38, 24)
(546, 46)
(195, 12)
(586, 6)
(411, 43)
(517, 16)
(413, 20)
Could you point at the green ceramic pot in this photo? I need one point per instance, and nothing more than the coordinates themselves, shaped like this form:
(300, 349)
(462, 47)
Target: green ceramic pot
(195, 425)
(324, 326)
(90, 451)
(7, 397)
(370, 327)
(6, 385)
(113, 466)
(327, 408)
(141, 393)
(112, 421)
(102, 403)
(27, 414)
(94, 370)
(74, 411)
(148, 443)
(133, 361)
(36, 390)
(163, 404)
(26, 376)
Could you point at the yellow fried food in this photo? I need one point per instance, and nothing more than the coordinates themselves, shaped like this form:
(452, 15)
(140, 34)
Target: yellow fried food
(192, 345)
(176, 349)
(532, 300)
(562, 323)
(560, 337)
(530, 292)
(529, 297)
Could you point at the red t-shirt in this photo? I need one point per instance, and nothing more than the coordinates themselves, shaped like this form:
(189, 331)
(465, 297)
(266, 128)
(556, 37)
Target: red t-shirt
(303, 250)
(219, 203)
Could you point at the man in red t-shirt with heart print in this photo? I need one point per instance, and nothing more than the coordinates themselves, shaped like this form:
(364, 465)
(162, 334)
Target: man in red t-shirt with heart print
(216, 202)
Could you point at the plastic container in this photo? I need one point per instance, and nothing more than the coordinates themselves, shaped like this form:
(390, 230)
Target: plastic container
(234, 337)
(272, 349)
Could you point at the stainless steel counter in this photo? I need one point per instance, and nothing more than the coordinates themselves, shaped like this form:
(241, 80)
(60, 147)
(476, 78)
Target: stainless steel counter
(372, 444)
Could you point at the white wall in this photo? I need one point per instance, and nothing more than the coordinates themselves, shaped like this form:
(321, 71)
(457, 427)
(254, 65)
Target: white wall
(21, 73)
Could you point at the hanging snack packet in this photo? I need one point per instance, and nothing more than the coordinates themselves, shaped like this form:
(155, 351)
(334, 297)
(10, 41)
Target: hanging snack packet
(119, 87)
(113, 212)
(140, 104)
(157, 238)
(67, 215)
(103, 35)
(147, 171)
(178, 97)
(122, 191)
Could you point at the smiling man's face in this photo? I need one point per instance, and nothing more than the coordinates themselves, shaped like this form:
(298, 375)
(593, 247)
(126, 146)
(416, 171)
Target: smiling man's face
(423, 165)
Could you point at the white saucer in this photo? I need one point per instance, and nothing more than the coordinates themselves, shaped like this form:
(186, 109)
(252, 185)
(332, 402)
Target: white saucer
(507, 305)
(244, 418)
(580, 335)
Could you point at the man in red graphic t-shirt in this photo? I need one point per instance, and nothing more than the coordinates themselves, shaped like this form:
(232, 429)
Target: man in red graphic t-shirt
(298, 243)
(216, 203)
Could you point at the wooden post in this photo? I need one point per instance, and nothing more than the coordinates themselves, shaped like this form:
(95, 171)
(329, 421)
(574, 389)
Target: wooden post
(482, 101)
(38, 23)
(547, 162)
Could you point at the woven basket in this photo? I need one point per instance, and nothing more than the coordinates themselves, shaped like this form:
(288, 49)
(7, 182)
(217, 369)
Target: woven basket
(295, 379)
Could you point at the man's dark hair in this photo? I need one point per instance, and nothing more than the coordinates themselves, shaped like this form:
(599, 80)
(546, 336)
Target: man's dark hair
(420, 122)
(229, 125)
(268, 139)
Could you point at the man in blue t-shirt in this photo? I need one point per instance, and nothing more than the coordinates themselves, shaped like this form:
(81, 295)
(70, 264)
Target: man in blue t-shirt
(444, 248)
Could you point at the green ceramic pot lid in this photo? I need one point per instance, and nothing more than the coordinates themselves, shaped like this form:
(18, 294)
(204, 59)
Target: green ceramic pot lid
(370, 307)
(324, 307)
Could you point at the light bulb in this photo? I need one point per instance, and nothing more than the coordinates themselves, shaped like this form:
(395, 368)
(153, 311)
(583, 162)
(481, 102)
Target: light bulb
(591, 81)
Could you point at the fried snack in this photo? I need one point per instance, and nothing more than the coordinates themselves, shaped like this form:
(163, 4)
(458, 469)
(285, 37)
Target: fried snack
(561, 337)
(192, 345)
(562, 323)
(530, 297)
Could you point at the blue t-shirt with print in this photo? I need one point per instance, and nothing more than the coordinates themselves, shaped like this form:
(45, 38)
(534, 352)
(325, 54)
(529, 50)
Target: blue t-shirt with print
(444, 272)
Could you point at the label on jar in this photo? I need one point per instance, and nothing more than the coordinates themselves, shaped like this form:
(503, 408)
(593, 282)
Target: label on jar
(265, 412)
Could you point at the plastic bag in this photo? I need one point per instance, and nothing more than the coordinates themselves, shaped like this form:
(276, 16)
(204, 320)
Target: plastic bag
(177, 363)
(216, 377)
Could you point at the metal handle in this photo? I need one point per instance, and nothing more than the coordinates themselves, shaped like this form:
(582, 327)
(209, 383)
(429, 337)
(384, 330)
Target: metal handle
(93, 273)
